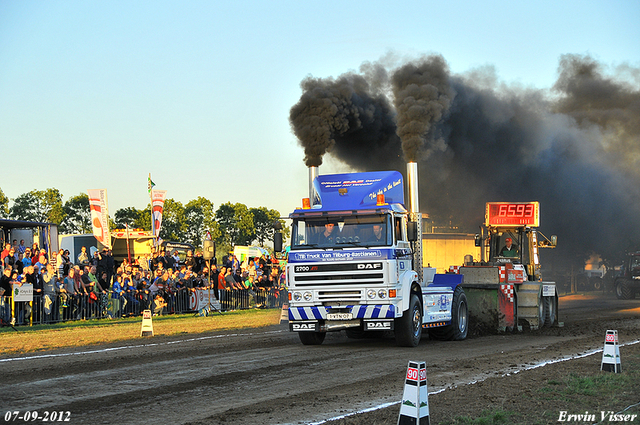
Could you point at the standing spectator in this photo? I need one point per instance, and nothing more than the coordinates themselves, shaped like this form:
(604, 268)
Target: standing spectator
(9, 260)
(83, 257)
(50, 300)
(169, 261)
(20, 263)
(190, 261)
(21, 247)
(213, 279)
(5, 252)
(60, 262)
(71, 310)
(63, 297)
(6, 293)
(199, 262)
(117, 294)
(26, 259)
(110, 265)
(41, 263)
(66, 263)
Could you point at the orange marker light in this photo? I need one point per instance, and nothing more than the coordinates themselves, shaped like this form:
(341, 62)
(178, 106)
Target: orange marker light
(392, 293)
(380, 199)
(306, 203)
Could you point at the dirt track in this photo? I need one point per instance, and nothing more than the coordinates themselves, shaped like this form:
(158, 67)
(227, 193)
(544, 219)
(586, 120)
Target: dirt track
(266, 376)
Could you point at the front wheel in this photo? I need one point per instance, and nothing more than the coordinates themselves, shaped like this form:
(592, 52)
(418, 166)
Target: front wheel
(408, 328)
(312, 338)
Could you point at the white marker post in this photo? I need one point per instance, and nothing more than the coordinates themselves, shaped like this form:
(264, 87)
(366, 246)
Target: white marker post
(284, 313)
(414, 409)
(611, 353)
(147, 324)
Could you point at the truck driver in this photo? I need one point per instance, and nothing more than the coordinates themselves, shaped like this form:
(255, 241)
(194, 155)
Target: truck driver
(328, 236)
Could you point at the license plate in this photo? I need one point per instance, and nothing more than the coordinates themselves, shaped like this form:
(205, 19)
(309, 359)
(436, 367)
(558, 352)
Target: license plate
(339, 316)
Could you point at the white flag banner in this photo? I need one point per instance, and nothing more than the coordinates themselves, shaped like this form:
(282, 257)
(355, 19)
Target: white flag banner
(157, 205)
(100, 216)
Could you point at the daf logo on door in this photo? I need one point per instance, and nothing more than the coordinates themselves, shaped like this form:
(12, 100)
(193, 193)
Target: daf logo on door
(369, 266)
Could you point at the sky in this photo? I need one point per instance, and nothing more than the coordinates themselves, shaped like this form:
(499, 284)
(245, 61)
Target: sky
(198, 93)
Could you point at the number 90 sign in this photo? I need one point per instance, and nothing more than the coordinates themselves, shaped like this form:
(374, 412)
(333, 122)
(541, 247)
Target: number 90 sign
(416, 374)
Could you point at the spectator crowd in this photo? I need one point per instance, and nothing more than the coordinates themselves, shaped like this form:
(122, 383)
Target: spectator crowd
(95, 285)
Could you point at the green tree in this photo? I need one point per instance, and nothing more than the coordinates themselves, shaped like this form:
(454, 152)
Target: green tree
(77, 218)
(173, 227)
(263, 220)
(236, 224)
(39, 205)
(131, 217)
(4, 205)
(199, 217)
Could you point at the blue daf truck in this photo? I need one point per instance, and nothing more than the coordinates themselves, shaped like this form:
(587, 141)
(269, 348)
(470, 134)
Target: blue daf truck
(355, 263)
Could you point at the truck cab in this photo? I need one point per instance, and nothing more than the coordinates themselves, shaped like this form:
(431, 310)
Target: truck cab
(353, 266)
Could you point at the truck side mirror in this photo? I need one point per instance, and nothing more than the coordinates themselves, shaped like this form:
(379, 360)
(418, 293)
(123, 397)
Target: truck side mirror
(478, 240)
(277, 242)
(412, 231)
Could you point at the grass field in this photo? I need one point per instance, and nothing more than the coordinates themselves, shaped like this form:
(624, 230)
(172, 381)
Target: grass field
(90, 332)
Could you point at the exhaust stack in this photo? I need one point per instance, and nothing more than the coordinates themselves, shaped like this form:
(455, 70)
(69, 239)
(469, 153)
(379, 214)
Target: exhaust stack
(412, 186)
(415, 216)
(313, 173)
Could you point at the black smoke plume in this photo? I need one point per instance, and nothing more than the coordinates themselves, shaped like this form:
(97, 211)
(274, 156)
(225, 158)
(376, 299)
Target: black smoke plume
(575, 149)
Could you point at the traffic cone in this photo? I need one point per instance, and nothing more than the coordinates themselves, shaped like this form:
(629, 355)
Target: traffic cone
(147, 324)
(284, 313)
(611, 353)
(414, 409)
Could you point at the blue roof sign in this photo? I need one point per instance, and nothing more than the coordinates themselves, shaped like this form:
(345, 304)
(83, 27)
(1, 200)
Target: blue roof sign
(356, 190)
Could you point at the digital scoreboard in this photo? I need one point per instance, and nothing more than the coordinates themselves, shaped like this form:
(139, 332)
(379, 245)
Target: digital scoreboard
(514, 214)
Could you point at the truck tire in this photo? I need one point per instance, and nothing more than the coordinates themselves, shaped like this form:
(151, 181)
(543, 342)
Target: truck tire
(459, 326)
(549, 311)
(623, 290)
(312, 338)
(408, 328)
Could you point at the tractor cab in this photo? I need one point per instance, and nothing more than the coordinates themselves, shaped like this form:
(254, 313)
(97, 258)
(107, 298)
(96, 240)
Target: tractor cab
(510, 236)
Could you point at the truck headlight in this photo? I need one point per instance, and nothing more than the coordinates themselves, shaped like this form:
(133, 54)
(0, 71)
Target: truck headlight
(382, 293)
(308, 296)
(297, 296)
(371, 293)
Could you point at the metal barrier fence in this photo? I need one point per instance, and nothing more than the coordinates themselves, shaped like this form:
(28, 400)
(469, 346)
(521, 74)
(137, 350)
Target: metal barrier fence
(64, 307)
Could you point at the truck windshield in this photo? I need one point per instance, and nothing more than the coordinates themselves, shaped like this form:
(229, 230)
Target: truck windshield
(341, 232)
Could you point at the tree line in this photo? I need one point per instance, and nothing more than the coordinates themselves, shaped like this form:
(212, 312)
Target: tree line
(230, 224)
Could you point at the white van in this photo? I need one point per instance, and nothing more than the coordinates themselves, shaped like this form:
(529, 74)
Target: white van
(242, 252)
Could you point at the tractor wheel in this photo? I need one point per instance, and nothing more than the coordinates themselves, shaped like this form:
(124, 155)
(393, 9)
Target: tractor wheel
(541, 312)
(549, 311)
(312, 338)
(597, 283)
(408, 328)
(623, 290)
